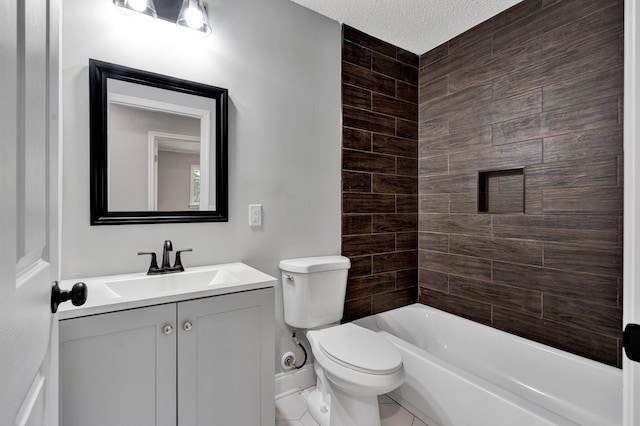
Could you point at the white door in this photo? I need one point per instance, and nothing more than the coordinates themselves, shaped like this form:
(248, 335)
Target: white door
(29, 37)
(631, 369)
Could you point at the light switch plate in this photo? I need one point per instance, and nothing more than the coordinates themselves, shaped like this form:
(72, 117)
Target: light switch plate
(255, 214)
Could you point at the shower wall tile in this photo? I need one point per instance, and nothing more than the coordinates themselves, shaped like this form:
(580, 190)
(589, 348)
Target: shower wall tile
(392, 145)
(600, 319)
(406, 222)
(367, 79)
(407, 203)
(538, 88)
(395, 261)
(356, 224)
(507, 250)
(583, 229)
(369, 121)
(359, 245)
(368, 203)
(406, 278)
(407, 241)
(433, 280)
(575, 339)
(518, 299)
(381, 302)
(356, 182)
(464, 307)
(599, 289)
(371, 284)
(363, 161)
(356, 139)
(366, 41)
(380, 174)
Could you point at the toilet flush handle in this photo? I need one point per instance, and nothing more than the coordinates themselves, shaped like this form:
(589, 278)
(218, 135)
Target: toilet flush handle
(288, 277)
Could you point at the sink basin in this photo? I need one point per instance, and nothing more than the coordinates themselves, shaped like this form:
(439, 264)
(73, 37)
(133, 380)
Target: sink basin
(178, 282)
(128, 291)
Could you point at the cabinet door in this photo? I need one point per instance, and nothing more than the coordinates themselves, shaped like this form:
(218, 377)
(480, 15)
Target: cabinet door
(226, 360)
(119, 369)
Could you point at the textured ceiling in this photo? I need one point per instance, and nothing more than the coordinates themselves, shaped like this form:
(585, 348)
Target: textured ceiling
(414, 25)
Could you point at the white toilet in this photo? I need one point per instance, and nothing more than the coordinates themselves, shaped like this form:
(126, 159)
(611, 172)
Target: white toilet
(353, 364)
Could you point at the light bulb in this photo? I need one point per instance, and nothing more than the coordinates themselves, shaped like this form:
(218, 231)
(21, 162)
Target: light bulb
(138, 5)
(193, 18)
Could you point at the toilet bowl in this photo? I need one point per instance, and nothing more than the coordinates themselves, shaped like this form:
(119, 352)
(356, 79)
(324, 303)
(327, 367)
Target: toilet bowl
(353, 365)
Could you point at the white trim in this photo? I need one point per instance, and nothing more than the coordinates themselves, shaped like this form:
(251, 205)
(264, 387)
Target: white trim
(631, 370)
(293, 381)
(153, 105)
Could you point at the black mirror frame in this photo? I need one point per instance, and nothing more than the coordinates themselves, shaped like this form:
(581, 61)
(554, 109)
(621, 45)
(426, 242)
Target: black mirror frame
(99, 72)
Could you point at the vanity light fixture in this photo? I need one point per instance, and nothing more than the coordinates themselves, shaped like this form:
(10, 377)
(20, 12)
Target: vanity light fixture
(141, 8)
(193, 15)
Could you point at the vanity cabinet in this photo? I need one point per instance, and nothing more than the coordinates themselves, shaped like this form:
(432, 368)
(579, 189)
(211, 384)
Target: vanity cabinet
(207, 361)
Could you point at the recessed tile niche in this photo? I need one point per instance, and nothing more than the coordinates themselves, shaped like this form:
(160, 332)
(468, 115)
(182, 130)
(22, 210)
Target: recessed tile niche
(501, 191)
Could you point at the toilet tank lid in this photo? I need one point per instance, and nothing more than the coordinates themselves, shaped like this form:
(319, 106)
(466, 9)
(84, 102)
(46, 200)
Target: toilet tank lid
(308, 265)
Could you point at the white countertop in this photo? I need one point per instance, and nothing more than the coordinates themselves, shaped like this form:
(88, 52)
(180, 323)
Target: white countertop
(118, 292)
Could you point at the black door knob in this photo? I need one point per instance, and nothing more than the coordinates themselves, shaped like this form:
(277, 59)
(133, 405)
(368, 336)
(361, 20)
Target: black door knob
(77, 295)
(631, 341)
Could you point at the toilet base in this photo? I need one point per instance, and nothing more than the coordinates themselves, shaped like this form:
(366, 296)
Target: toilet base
(343, 409)
(317, 408)
(354, 410)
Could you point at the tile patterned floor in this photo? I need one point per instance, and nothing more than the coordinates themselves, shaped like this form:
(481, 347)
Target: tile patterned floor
(291, 410)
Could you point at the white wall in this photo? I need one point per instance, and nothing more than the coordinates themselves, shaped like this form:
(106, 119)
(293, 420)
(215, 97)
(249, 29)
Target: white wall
(281, 64)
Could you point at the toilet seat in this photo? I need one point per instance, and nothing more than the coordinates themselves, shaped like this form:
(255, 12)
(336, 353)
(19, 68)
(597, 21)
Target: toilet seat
(359, 349)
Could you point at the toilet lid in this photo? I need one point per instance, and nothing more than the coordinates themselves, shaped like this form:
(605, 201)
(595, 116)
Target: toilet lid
(360, 349)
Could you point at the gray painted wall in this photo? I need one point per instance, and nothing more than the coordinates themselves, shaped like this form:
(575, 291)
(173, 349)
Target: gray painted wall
(281, 64)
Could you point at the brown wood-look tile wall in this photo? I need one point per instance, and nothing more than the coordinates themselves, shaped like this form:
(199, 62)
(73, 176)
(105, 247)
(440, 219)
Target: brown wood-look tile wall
(379, 177)
(537, 87)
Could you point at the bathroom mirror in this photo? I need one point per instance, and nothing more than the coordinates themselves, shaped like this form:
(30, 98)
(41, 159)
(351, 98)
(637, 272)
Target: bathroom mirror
(158, 148)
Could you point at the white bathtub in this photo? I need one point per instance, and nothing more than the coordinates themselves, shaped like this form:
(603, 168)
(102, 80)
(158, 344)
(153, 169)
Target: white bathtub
(460, 373)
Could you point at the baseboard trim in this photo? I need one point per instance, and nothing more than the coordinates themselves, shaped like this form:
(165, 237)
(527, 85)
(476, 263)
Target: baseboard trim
(290, 382)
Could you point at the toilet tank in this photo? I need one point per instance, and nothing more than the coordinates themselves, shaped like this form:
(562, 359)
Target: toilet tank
(313, 290)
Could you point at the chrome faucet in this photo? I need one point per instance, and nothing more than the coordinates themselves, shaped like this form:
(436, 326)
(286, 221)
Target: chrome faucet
(166, 267)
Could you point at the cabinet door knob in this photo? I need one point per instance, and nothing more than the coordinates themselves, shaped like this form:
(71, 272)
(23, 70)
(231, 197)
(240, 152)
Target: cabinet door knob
(187, 326)
(167, 329)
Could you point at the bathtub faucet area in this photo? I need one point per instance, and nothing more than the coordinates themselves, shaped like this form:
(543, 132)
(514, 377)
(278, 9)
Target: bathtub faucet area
(166, 267)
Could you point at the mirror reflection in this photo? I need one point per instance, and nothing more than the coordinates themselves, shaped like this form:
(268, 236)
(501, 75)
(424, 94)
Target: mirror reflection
(156, 150)
(161, 156)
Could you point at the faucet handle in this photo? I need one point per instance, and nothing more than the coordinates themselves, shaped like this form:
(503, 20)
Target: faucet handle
(178, 263)
(154, 262)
